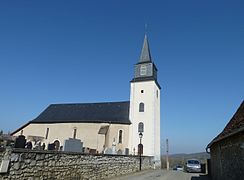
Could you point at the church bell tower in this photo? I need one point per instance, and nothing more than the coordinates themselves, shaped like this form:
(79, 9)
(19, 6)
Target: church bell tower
(145, 106)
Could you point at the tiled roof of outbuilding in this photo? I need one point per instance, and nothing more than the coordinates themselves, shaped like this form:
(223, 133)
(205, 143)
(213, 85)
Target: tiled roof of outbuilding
(235, 125)
(108, 112)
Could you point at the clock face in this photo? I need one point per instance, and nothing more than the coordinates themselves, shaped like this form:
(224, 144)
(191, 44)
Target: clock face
(143, 70)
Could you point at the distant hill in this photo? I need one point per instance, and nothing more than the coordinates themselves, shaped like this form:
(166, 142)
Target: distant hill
(175, 159)
(200, 155)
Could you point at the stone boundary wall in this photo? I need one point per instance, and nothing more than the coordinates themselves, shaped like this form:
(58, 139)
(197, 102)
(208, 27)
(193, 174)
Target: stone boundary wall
(227, 158)
(34, 165)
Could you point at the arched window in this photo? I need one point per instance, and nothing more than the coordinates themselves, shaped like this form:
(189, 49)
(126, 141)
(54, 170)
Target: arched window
(47, 131)
(141, 107)
(140, 127)
(120, 136)
(74, 133)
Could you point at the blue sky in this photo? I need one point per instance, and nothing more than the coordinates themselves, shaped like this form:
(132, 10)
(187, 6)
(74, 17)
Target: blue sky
(84, 51)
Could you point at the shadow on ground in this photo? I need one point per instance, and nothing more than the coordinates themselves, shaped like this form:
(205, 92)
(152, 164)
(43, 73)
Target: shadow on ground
(200, 177)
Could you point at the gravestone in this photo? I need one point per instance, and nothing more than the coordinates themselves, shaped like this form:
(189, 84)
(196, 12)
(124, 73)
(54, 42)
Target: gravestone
(92, 151)
(108, 151)
(73, 145)
(29, 145)
(37, 145)
(119, 152)
(20, 142)
(4, 166)
(85, 150)
(51, 146)
(5, 161)
(56, 145)
(126, 151)
(114, 147)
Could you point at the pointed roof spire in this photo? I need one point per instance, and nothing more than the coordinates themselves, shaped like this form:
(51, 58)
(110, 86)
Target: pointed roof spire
(145, 52)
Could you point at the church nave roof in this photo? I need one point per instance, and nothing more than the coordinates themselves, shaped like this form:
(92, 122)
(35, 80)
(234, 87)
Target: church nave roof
(107, 112)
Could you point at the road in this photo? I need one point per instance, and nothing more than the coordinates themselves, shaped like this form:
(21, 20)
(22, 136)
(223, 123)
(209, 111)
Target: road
(162, 175)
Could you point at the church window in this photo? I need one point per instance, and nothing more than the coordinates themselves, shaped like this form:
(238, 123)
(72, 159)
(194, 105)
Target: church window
(120, 136)
(47, 131)
(21, 132)
(141, 107)
(74, 133)
(142, 91)
(140, 127)
(143, 70)
(157, 93)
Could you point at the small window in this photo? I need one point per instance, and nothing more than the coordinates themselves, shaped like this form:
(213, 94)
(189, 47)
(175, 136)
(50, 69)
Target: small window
(140, 127)
(74, 133)
(21, 132)
(143, 70)
(157, 93)
(141, 107)
(120, 136)
(47, 132)
(142, 91)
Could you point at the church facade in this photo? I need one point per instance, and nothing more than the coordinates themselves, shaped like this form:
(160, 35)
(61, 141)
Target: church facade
(101, 126)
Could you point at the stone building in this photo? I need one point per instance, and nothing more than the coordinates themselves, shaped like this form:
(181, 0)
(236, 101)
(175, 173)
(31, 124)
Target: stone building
(227, 150)
(103, 126)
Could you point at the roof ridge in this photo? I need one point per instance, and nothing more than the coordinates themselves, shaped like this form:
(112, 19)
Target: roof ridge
(231, 127)
(114, 112)
(111, 102)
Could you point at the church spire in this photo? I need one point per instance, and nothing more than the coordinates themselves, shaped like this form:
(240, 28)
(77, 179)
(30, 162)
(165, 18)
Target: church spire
(145, 69)
(145, 52)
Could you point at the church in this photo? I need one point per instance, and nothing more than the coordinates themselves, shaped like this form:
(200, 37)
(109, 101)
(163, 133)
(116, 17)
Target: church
(101, 126)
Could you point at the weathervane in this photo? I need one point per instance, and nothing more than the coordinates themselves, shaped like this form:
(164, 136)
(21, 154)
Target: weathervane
(145, 28)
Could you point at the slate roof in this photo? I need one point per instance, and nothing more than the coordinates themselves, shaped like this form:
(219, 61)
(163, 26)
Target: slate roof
(145, 52)
(108, 112)
(235, 125)
(150, 78)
